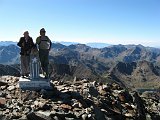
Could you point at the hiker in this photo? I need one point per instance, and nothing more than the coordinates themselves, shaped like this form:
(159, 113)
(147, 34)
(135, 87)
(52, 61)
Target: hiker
(44, 45)
(26, 44)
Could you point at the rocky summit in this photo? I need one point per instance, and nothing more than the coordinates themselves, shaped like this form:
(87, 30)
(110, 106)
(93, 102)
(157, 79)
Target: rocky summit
(76, 100)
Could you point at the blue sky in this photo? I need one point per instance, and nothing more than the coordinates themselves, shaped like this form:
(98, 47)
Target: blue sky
(107, 21)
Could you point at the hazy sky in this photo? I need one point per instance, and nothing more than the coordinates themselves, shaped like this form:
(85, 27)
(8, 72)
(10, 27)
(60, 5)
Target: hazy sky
(108, 21)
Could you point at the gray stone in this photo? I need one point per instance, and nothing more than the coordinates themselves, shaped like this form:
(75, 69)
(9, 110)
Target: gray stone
(66, 118)
(93, 92)
(2, 101)
(3, 117)
(75, 104)
(2, 94)
(26, 110)
(8, 96)
(10, 88)
(84, 116)
(2, 83)
(3, 87)
(24, 117)
(78, 114)
(37, 116)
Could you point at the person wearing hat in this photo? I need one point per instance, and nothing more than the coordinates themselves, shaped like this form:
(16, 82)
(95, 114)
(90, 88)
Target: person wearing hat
(44, 45)
(26, 44)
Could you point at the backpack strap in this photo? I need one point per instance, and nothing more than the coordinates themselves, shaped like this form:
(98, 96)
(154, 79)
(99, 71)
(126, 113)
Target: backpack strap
(39, 40)
(43, 40)
(47, 40)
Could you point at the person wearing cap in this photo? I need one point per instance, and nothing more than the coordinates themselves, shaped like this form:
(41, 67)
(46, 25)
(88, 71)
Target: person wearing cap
(26, 44)
(44, 45)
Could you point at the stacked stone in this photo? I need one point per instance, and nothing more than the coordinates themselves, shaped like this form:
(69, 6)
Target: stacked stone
(76, 100)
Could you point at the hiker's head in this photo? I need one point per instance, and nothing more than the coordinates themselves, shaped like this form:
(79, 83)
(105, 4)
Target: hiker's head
(26, 34)
(42, 31)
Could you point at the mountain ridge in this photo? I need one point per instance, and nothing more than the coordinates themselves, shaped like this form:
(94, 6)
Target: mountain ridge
(82, 61)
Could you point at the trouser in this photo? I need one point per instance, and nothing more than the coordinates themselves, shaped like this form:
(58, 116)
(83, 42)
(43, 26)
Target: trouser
(24, 64)
(44, 59)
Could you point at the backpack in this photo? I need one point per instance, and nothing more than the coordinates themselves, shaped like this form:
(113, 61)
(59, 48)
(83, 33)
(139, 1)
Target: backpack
(44, 44)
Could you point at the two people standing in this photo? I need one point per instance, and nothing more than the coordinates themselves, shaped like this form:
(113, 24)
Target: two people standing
(44, 45)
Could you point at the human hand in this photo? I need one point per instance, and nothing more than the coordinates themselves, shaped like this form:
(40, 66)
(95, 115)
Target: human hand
(23, 44)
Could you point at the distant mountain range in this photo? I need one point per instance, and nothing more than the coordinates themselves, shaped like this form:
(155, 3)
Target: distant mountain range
(98, 45)
(94, 45)
(132, 66)
(9, 54)
(6, 43)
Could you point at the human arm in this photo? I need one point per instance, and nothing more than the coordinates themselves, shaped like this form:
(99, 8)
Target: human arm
(49, 43)
(31, 43)
(20, 43)
(38, 40)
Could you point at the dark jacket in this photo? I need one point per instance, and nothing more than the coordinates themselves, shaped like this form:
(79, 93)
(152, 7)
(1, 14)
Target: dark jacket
(26, 49)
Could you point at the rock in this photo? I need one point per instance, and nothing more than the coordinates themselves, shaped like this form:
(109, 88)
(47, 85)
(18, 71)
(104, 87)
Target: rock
(8, 96)
(98, 114)
(81, 100)
(3, 117)
(26, 110)
(15, 115)
(84, 117)
(89, 116)
(64, 106)
(3, 87)
(93, 91)
(121, 97)
(129, 115)
(36, 103)
(55, 118)
(2, 83)
(46, 113)
(12, 87)
(2, 94)
(62, 115)
(17, 86)
(103, 92)
(45, 107)
(115, 86)
(75, 105)
(60, 87)
(29, 95)
(24, 117)
(37, 116)
(2, 101)
(78, 114)
(66, 118)
(140, 106)
(55, 82)
(85, 85)
(64, 91)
